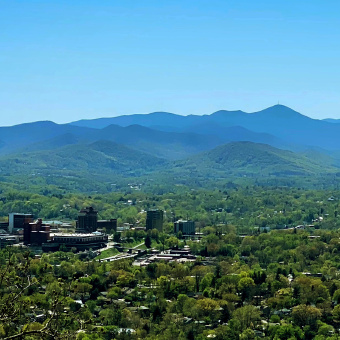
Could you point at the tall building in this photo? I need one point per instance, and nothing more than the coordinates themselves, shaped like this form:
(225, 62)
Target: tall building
(186, 227)
(36, 233)
(87, 220)
(154, 220)
(17, 221)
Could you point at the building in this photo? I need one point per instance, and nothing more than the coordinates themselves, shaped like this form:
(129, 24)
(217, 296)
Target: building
(81, 242)
(17, 221)
(173, 255)
(87, 220)
(4, 226)
(109, 225)
(124, 227)
(37, 233)
(154, 220)
(7, 240)
(138, 228)
(186, 227)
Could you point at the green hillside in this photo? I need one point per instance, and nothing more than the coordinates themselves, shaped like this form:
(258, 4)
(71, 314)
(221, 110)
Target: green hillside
(104, 166)
(254, 160)
(102, 156)
(78, 167)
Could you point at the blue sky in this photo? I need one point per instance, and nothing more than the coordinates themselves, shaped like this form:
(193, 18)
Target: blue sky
(66, 60)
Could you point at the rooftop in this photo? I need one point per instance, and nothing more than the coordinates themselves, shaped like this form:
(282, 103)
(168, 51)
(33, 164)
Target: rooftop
(79, 234)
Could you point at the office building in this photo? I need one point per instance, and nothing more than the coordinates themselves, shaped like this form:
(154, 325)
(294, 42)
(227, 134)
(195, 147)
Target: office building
(154, 220)
(87, 220)
(17, 221)
(186, 227)
(36, 233)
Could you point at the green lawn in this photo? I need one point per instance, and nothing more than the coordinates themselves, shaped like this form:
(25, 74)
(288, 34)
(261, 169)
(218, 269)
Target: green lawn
(132, 244)
(114, 251)
(136, 243)
(107, 253)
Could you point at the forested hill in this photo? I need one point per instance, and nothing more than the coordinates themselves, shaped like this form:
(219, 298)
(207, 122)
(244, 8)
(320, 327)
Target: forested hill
(253, 159)
(170, 149)
(105, 162)
(102, 157)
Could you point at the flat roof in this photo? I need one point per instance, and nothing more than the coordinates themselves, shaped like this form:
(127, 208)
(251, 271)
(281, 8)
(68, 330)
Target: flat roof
(78, 235)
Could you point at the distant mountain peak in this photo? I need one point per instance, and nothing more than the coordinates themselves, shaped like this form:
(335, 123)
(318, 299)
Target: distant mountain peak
(278, 107)
(282, 111)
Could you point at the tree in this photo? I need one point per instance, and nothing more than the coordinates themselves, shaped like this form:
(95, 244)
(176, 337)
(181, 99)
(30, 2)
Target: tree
(208, 308)
(206, 281)
(181, 299)
(304, 315)
(247, 316)
(245, 286)
(147, 241)
(111, 316)
(172, 242)
(325, 329)
(126, 279)
(15, 283)
(285, 332)
(114, 293)
(81, 288)
(116, 237)
(162, 239)
(164, 284)
(336, 296)
(336, 313)
(311, 289)
(247, 334)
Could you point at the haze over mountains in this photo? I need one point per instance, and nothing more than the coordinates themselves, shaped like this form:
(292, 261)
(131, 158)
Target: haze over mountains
(279, 123)
(277, 141)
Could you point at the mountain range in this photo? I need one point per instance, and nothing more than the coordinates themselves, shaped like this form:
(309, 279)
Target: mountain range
(277, 125)
(275, 142)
